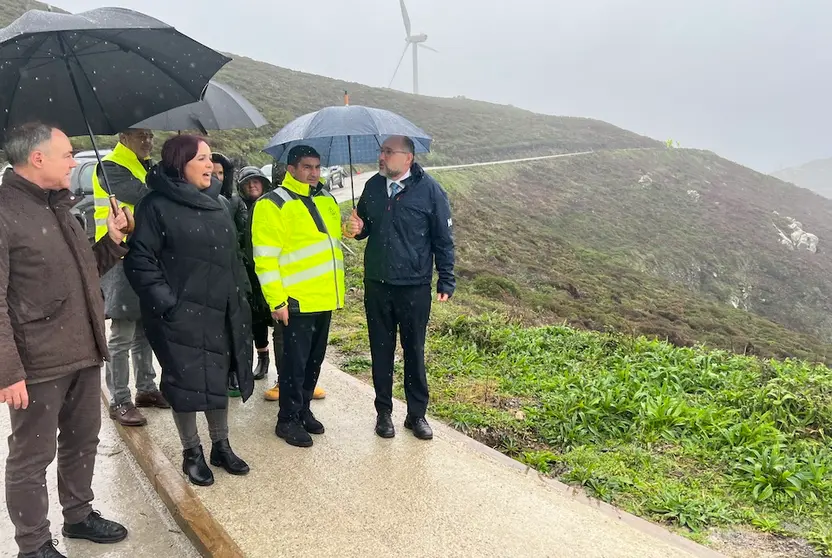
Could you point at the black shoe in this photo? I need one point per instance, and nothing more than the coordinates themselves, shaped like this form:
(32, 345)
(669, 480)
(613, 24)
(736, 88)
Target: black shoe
(262, 369)
(420, 427)
(384, 425)
(96, 529)
(46, 551)
(293, 432)
(223, 456)
(233, 386)
(195, 468)
(310, 423)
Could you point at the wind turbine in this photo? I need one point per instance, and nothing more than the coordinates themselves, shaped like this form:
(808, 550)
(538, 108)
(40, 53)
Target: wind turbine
(415, 42)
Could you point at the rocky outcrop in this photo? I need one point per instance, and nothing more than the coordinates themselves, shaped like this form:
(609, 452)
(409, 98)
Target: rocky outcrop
(795, 237)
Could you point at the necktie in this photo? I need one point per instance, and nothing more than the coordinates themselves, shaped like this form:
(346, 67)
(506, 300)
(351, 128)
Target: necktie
(395, 188)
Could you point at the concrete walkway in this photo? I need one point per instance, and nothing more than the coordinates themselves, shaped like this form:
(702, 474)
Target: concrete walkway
(354, 494)
(121, 492)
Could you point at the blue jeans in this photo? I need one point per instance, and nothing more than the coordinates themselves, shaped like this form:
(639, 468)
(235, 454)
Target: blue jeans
(127, 340)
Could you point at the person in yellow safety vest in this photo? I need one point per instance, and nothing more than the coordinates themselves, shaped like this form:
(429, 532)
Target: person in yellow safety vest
(126, 168)
(296, 244)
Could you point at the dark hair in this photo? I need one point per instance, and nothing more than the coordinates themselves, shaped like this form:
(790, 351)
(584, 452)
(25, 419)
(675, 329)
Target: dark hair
(409, 146)
(298, 152)
(177, 152)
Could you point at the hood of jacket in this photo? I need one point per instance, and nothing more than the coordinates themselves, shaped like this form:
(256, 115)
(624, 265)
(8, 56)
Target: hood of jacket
(183, 192)
(227, 186)
(248, 173)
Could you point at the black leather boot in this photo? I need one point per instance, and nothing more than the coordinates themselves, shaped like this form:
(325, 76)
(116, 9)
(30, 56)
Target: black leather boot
(262, 368)
(384, 425)
(46, 551)
(96, 529)
(195, 468)
(420, 427)
(223, 456)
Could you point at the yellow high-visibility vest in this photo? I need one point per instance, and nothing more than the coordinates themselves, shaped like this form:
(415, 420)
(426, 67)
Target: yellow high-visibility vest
(123, 156)
(296, 241)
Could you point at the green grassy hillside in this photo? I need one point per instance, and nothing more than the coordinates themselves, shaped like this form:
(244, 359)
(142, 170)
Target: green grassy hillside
(701, 223)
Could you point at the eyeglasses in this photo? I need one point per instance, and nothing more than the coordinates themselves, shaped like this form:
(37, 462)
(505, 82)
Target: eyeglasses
(387, 152)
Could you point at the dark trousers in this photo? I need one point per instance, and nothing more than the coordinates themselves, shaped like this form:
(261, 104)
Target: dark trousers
(277, 347)
(260, 324)
(404, 309)
(304, 349)
(72, 405)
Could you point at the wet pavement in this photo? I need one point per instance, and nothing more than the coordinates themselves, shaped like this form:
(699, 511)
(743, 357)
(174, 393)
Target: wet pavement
(345, 194)
(354, 494)
(122, 493)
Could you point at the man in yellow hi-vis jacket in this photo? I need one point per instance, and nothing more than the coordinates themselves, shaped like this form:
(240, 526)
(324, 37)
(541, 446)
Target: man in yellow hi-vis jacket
(126, 168)
(296, 242)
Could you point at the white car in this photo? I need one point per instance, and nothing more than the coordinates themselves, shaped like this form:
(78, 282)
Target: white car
(3, 171)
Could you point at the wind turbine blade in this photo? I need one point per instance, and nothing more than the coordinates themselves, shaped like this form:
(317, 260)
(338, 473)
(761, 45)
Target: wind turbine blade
(427, 47)
(405, 17)
(399, 64)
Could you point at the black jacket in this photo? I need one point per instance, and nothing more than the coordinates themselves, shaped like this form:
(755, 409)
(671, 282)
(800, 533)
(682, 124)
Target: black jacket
(183, 265)
(228, 174)
(241, 208)
(405, 234)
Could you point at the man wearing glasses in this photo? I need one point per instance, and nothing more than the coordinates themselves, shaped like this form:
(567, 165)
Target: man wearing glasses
(126, 168)
(405, 215)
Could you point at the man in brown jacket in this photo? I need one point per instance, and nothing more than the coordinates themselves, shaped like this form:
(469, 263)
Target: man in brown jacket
(52, 340)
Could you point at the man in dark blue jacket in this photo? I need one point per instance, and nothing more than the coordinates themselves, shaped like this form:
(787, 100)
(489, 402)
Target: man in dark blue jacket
(405, 215)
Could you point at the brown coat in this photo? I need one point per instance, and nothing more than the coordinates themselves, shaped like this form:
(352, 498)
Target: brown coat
(51, 308)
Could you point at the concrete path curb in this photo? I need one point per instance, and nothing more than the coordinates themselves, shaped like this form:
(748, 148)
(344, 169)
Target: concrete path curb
(206, 534)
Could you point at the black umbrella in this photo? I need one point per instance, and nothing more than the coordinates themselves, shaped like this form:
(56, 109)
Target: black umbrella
(97, 72)
(221, 108)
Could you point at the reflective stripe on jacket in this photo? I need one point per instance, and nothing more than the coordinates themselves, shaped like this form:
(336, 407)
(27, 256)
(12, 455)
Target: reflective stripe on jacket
(296, 240)
(124, 157)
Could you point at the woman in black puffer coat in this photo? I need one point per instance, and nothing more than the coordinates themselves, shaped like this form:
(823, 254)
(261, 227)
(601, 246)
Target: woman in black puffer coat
(183, 265)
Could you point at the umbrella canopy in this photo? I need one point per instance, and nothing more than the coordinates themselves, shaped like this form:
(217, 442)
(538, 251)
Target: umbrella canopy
(346, 134)
(98, 72)
(221, 108)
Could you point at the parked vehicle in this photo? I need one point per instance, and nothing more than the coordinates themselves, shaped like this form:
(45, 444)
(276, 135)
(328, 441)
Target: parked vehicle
(334, 176)
(81, 184)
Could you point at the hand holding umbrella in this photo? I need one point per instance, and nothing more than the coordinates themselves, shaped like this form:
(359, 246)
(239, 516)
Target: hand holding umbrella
(120, 221)
(354, 225)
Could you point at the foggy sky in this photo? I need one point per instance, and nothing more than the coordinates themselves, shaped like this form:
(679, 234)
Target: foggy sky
(749, 79)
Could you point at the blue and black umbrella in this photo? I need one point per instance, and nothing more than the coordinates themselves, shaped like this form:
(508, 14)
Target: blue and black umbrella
(346, 135)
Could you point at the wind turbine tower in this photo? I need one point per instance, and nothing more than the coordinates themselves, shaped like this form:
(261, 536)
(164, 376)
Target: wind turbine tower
(414, 42)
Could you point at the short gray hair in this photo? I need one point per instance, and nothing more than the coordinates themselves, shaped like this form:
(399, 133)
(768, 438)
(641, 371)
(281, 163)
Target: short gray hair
(22, 140)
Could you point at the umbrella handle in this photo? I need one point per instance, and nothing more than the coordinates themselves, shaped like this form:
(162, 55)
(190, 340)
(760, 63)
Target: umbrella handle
(131, 222)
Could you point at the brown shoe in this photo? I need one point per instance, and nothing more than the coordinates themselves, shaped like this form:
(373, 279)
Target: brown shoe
(127, 415)
(152, 399)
